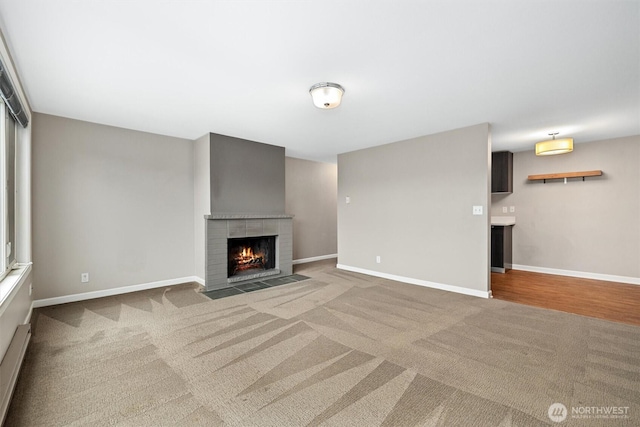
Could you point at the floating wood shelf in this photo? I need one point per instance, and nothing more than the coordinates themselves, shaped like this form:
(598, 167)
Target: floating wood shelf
(565, 175)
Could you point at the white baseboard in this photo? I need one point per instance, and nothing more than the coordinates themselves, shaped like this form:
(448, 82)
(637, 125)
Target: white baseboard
(580, 274)
(198, 280)
(314, 258)
(450, 288)
(114, 291)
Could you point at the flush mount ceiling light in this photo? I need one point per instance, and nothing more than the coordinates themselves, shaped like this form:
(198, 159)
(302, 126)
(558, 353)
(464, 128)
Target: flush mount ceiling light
(554, 146)
(326, 95)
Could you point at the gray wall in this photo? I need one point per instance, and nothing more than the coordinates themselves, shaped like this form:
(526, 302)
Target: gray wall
(112, 202)
(246, 176)
(591, 226)
(411, 204)
(311, 196)
(201, 200)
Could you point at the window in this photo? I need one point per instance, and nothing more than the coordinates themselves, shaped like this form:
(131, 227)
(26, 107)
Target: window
(7, 190)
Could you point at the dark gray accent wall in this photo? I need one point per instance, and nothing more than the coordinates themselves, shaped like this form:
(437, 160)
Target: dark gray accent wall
(246, 176)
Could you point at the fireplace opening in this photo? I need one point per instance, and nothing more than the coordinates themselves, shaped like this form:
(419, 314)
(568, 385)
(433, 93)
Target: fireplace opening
(249, 255)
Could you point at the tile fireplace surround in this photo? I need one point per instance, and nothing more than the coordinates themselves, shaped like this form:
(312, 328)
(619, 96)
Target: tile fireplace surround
(220, 227)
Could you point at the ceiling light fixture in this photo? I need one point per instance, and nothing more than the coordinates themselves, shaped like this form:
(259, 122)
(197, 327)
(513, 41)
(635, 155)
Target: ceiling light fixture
(554, 146)
(326, 95)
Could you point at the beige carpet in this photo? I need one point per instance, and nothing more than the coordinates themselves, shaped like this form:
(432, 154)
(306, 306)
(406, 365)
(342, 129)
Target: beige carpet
(340, 349)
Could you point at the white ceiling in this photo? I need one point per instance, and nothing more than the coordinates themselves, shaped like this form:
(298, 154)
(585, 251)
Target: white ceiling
(409, 68)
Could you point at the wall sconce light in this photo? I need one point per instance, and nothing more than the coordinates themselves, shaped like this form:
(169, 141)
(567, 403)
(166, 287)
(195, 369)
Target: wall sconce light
(326, 95)
(554, 146)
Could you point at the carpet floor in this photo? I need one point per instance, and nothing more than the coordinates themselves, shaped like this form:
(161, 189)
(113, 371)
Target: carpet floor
(338, 349)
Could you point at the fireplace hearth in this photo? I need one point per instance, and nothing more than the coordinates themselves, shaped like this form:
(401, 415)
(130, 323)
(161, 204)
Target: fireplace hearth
(245, 247)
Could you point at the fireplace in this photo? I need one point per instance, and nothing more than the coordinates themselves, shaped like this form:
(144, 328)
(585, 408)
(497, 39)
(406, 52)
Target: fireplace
(249, 255)
(247, 247)
(242, 184)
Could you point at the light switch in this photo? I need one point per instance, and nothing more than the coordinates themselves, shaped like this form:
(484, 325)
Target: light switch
(477, 210)
(512, 209)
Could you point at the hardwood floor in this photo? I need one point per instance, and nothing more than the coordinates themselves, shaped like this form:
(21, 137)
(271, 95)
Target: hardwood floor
(618, 302)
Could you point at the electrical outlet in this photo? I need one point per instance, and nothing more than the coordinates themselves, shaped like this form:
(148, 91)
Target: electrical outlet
(512, 209)
(378, 260)
(504, 209)
(84, 277)
(347, 200)
(477, 210)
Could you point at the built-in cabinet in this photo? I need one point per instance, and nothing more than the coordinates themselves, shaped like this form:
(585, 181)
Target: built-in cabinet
(501, 248)
(501, 183)
(502, 172)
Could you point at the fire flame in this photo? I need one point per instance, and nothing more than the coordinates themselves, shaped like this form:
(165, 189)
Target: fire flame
(247, 256)
(246, 259)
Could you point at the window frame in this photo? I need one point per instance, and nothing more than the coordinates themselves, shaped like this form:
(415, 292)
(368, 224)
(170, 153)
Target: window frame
(8, 162)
